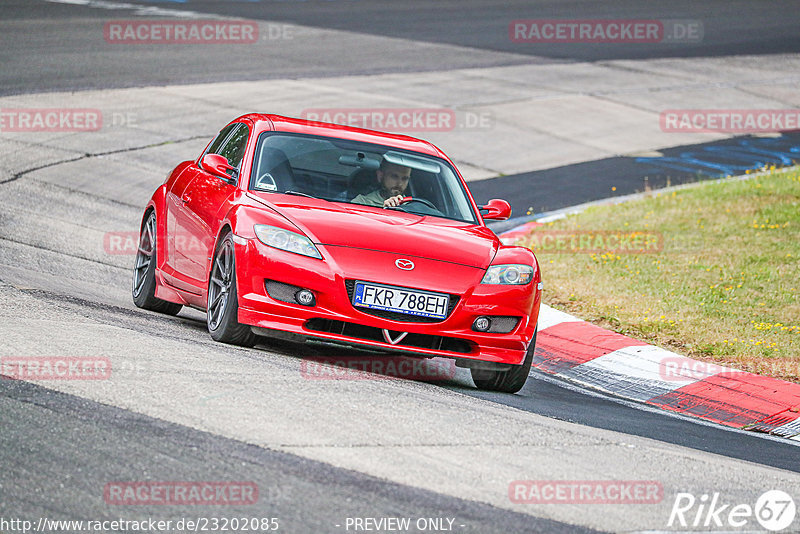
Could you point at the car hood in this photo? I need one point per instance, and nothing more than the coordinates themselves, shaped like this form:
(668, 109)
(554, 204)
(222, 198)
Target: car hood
(406, 234)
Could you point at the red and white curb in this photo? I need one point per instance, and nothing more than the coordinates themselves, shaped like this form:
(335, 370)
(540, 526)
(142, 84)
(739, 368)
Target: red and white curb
(586, 354)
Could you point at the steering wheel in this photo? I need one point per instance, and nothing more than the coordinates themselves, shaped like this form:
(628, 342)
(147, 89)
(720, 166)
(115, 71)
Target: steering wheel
(426, 202)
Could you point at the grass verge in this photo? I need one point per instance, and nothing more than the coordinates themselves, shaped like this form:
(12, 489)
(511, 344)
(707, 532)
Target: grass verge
(711, 271)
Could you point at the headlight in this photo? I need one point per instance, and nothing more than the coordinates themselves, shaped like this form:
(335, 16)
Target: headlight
(515, 275)
(275, 237)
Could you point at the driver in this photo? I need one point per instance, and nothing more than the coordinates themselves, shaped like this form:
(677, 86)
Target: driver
(393, 181)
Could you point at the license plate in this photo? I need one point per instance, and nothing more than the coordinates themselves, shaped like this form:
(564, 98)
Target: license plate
(401, 300)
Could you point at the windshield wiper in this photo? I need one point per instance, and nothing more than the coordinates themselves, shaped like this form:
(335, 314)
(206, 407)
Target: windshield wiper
(299, 194)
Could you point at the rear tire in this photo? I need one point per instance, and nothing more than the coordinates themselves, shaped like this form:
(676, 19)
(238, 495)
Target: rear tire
(509, 381)
(144, 272)
(222, 308)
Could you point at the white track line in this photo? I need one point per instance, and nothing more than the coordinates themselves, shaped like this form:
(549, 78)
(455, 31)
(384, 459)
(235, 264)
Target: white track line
(143, 11)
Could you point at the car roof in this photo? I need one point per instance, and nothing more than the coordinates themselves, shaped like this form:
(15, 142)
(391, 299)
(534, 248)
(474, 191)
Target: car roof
(268, 122)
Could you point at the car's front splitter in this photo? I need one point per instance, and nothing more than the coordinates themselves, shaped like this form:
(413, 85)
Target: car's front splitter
(332, 317)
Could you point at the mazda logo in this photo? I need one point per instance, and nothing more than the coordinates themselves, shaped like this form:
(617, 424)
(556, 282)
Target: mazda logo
(406, 265)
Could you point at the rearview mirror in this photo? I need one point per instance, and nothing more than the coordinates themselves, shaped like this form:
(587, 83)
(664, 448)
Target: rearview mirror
(219, 166)
(496, 209)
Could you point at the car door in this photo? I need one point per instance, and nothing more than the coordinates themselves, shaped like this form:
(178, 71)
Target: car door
(174, 219)
(205, 202)
(177, 219)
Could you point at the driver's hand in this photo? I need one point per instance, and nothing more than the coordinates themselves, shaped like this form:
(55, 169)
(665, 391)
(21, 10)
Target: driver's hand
(393, 202)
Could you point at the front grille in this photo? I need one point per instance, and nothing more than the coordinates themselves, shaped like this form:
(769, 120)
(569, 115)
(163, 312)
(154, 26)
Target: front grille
(370, 333)
(395, 316)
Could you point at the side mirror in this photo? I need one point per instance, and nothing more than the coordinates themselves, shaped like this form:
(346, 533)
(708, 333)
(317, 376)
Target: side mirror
(219, 166)
(496, 209)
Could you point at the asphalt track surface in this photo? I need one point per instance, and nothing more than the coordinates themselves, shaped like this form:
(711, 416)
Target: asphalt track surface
(66, 52)
(57, 448)
(72, 432)
(728, 27)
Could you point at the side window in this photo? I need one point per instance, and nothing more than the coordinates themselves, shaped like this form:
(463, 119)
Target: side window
(233, 149)
(220, 139)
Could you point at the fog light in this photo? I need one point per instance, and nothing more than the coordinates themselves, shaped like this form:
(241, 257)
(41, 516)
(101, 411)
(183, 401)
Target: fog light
(481, 324)
(305, 297)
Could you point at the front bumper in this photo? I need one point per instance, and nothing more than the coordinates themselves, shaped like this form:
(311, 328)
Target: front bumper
(334, 318)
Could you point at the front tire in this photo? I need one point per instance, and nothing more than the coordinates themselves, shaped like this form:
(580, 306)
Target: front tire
(509, 381)
(223, 302)
(144, 272)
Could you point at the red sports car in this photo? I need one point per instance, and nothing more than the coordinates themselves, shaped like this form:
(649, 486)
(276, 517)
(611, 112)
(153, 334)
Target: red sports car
(285, 226)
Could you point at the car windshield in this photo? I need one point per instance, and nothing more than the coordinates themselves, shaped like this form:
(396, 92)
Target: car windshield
(346, 171)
